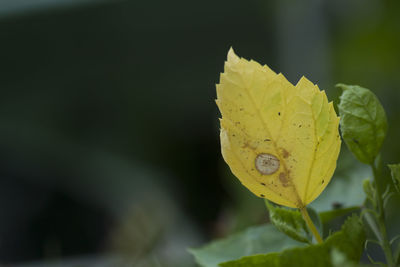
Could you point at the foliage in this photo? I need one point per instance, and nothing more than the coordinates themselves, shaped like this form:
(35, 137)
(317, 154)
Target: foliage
(363, 126)
(363, 122)
(395, 171)
(348, 241)
(281, 141)
(290, 222)
(254, 240)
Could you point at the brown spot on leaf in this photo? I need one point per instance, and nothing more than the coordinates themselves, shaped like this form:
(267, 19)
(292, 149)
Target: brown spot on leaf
(284, 179)
(266, 163)
(248, 145)
(285, 153)
(262, 195)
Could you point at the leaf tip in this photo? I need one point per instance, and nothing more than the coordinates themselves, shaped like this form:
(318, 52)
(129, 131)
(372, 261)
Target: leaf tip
(342, 86)
(232, 57)
(302, 78)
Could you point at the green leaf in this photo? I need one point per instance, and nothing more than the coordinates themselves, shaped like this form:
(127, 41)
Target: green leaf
(395, 171)
(254, 240)
(363, 122)
(349, 241)
(369, 190)
(270, 260)
(339, 259)
(289, 221)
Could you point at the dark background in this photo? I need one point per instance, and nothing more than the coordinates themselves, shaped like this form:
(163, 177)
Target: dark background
(108, 127)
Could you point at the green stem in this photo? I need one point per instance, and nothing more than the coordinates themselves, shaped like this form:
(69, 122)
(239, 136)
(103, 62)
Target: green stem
(387, 249)
(310, 224)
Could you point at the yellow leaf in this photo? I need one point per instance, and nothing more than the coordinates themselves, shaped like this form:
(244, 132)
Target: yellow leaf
(280, 140)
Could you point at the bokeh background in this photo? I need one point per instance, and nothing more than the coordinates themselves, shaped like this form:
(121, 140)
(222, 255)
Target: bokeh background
(108, 127)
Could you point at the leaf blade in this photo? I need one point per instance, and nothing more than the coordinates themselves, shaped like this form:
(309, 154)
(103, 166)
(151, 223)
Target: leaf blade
(349, 241)
(363, 122)
(395, 173)
(289, 222)
(259, 239)
(263, 113)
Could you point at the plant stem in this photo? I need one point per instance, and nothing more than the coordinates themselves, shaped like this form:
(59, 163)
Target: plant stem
(310, 224)
(387, 249)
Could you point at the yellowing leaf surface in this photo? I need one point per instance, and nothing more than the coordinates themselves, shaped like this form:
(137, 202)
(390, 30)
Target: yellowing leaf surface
(281, 141)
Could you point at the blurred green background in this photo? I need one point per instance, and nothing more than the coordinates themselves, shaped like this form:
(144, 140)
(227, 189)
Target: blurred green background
(108, 127)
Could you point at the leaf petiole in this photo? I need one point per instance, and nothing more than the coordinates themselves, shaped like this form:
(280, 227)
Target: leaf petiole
(311, 225)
